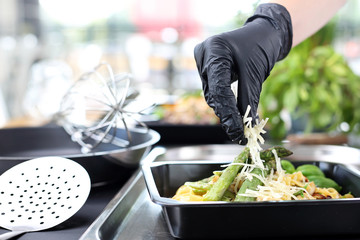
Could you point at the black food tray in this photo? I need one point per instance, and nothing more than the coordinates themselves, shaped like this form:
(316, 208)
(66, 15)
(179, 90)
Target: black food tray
(189, 133)
(220, 220)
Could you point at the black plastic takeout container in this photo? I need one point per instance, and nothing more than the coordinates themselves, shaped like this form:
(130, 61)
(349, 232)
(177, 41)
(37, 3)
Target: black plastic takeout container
(221, 220)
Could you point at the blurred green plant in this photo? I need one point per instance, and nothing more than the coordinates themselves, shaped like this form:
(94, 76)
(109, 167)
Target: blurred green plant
(315, 83)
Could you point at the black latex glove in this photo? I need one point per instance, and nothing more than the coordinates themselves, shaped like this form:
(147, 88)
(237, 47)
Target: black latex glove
(247, 54)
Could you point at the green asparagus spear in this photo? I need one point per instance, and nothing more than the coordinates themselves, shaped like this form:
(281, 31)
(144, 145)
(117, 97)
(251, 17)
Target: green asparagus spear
(267, 154)
(254, 182)
(226, 178)
(249, 184)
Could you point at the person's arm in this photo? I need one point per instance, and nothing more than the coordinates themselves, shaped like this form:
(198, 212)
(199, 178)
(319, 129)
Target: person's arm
(308, 16)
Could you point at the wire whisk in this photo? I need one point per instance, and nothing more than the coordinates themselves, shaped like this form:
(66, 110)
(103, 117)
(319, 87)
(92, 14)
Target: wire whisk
(94, 107)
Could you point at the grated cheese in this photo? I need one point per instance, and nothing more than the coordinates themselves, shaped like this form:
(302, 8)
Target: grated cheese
(275, 188)
(253, 135)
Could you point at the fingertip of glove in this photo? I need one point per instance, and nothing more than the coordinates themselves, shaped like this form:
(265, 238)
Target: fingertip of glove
(239, 139)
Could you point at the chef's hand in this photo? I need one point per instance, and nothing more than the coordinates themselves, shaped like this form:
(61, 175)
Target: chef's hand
(247, 54)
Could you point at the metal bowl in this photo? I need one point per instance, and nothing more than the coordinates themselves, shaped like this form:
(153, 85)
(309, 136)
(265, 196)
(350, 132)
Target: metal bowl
(105, 163)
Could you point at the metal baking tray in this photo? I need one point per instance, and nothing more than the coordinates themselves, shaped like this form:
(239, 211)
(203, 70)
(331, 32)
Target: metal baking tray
(132, 215)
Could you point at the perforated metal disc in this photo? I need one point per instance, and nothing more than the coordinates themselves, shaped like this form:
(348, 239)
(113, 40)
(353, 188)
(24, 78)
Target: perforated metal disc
(41, 193)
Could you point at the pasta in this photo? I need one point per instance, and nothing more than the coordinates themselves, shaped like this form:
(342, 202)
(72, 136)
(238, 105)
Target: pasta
(293, 186)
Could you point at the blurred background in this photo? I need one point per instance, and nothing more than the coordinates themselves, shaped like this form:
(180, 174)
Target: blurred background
(45, 45)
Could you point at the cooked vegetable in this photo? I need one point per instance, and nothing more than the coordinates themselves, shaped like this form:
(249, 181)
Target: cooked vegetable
(267, 154)
(324, 182)
(228, 196)
(310, 170)
(227, 177)
(300, 192)
(253, 183)
(287, 166)
(249, 184)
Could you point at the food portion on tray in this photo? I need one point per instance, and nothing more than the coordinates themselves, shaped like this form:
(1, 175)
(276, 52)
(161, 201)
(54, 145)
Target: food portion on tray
(261, 175)
(280, 180)
(190, 109)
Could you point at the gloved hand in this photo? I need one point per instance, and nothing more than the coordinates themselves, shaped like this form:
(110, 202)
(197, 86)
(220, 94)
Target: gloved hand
(247, 54)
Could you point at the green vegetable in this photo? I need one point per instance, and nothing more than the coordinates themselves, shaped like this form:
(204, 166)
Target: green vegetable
(254, 182)
(267, 154)
(287, 166)
(199, 187)
(249, 184)
(324, 182)
(227, 177)
(310, 170)
(228, 196)
(300, 192)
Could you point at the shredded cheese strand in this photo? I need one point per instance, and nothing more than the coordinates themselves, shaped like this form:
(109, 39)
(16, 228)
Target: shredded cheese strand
(274, 186)
(253, 135)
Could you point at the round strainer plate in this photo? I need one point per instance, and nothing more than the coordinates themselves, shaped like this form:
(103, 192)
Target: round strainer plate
(41, 193)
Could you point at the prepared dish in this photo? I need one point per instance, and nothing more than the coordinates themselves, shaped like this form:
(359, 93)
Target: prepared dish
(188, 109)
(279, 181)
(251, 219)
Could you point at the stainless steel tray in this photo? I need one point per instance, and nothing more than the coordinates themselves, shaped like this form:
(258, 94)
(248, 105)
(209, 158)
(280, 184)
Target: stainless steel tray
(132, 215)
